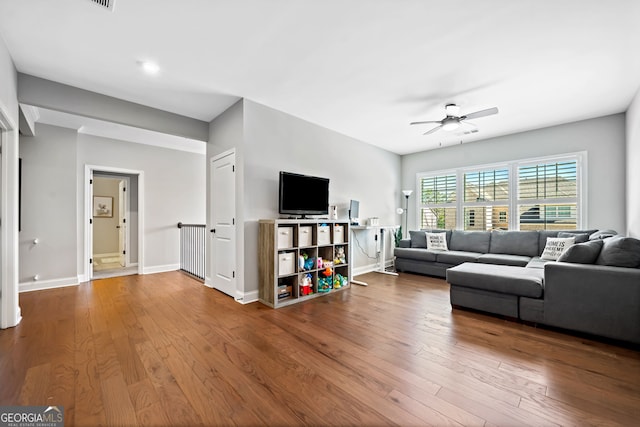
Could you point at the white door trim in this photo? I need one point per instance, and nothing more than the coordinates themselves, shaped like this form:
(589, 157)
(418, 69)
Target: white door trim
(88, 215)
(9, 249)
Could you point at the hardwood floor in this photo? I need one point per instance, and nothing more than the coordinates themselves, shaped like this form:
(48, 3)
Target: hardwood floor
(163, 349)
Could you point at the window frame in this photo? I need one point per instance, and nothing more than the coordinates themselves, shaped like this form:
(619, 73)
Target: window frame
(513, 202)
(446, 205)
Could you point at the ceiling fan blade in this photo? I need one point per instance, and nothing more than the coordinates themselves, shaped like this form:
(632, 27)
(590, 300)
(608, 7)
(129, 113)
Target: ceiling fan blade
(421, 123)
(473, 125)
(432, 130)
(481, 113)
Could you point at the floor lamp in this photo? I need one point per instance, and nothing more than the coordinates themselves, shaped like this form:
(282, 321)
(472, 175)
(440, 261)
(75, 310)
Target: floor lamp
(406, 193)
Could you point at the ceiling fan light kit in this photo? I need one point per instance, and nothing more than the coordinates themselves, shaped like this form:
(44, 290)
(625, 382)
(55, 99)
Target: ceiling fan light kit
(453, 120)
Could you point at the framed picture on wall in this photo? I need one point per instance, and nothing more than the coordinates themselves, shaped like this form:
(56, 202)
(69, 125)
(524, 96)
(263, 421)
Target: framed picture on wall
(102, 207)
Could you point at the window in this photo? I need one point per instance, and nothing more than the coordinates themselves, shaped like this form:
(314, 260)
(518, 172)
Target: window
(548, 195)
(438, 201)
(485, 194)
(525, 195)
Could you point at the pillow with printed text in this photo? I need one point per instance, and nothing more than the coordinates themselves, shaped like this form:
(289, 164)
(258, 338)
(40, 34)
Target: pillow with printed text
(556, 247)
(437, 241)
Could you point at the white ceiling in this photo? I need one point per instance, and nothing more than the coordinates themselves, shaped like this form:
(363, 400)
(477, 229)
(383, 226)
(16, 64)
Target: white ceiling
(364, 68)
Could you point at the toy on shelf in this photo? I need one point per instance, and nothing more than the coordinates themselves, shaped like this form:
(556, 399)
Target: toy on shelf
(325, 284)
(306, 285)
(319, 264)
(339, 281)
(327, 264)
(340, 257)
(306, 262)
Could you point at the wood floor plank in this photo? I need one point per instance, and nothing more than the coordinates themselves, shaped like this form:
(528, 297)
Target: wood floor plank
(36, 384)
(164, 350)
(88, 400)
(118, 408)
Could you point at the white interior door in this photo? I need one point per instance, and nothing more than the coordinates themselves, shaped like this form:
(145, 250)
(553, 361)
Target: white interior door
(122, 223)
(223, 227)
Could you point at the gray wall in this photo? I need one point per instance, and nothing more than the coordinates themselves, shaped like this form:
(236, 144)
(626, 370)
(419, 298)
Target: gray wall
(57, 96)
(105, 231)
(174, 189)
(226, 132)
(602, 138)
(53, 204)
(276, 141)
(268, 141)
(48, 205)
(633, 171)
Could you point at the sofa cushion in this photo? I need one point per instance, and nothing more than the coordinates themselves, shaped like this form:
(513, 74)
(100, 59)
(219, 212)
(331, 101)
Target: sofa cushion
(470, 241)
(418, 239)
(504, 259)
(437, 241)
(417, 254)
(506, 279)
(456, 257)
(602, 234)
(580, 237)
(582, 253)
(514, 243)
(537, 262)
(620, 252)
(542, 239)
(556, 247)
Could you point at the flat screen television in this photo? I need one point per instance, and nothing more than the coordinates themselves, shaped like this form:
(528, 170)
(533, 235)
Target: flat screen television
(303, 194)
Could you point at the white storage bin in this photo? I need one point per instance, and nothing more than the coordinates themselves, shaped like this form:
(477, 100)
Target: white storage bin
(286, 263)
(324, 235)
(338, 234)
(285, 237)
(305, 236)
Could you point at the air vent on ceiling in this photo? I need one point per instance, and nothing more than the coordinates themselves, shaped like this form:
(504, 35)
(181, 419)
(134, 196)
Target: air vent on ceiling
(107, 4)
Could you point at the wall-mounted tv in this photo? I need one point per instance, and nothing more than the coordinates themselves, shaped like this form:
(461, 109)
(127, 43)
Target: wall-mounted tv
(303, 194)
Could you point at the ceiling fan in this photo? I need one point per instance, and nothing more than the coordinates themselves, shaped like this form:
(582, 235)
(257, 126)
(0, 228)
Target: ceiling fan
(453, 120)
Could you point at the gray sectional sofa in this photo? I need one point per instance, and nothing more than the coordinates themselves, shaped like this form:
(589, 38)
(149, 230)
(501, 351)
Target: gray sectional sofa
(593, 288)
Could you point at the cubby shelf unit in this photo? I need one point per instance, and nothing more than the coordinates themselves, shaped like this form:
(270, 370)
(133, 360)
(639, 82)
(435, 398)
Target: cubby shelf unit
(288, 259)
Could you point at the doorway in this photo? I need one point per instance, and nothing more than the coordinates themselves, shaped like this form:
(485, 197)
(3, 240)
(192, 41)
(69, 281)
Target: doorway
(113, 233)
(111, 254)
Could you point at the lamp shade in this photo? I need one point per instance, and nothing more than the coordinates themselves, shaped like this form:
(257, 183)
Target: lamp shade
(407, 193)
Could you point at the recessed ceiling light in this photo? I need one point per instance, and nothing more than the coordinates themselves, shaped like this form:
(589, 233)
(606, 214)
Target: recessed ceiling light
(150, 67)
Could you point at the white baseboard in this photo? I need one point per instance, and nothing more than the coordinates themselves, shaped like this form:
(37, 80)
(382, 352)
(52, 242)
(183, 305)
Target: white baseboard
(207, 282)
(246, 297)
(47, 284)
(160, 268)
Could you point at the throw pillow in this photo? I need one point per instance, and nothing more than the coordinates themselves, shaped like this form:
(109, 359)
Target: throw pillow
(582, 253)
(603, 234)
(556, 246)
(418, 239)
(436, 241)
(620, 252)
(580, 237)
